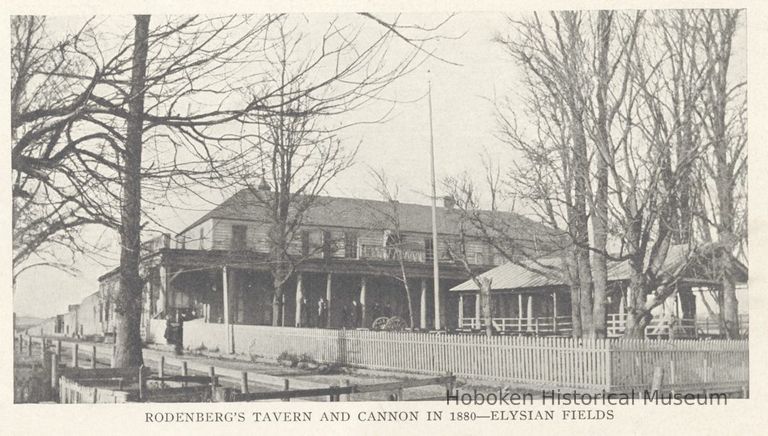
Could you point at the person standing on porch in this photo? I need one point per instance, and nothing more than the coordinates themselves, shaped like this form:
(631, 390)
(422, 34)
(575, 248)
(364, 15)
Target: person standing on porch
(304, 313)
(345, 316)
(322, 312)
(356, 314)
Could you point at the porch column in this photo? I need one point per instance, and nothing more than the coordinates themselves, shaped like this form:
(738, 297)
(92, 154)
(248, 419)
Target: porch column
(225, 292)
(299, 297)
(519, 312)
(554, 311)
(363, 314)
(162, 297)
(328, 297)
(529, 313)
(622, 306)
(423, 305)
(477, 310)
(461, 310)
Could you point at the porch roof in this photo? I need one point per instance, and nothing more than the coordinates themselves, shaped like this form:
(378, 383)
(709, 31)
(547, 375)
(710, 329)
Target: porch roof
(549, 272)
(196, 260)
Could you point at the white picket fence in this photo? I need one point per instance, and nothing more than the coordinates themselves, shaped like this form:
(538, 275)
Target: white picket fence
(71, 392)
(552, 362)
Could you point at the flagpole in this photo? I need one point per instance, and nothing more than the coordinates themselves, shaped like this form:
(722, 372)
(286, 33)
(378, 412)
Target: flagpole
(435, 247)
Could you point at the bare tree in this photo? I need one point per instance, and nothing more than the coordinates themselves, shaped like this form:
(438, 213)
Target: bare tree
(724, 167)
(320, 79)
(130, 117)
(390, 220)
(97, 128)
(466, 203)
(554, 56)
(48, 211)
(614, 98)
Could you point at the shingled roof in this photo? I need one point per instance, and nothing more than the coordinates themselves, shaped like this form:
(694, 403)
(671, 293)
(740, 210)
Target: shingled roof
(369, 214)
(548, 272)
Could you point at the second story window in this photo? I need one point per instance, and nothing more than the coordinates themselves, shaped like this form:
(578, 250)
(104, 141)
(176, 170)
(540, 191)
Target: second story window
(350, 245)
(327, 244)
(305, 243)
(239, 237)
(429, 250)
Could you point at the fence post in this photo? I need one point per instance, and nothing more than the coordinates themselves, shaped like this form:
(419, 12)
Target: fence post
(672, 374)
(161, 367)
(658, 377)
(93, 357)
(608, 364)
(55, 372)
(184, 371)
(287, 384)
(348, 395)
(212, 375)
(74, 355)
(142, 383)
(42, 350)
(244, 382)
(449, 383)
(706, 370)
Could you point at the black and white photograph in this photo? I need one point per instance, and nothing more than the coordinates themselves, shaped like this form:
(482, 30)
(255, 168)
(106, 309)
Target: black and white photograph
(438, 207)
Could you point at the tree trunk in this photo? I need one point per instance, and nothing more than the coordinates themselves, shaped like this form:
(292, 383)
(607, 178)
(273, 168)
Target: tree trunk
(725, 178)
(407, 291)
(580, 229)
(128, 300)
(277, 302)
(637, 316)
(485, 304)
(600, 217)
(730, 306)
(573, 284)
(585, 294)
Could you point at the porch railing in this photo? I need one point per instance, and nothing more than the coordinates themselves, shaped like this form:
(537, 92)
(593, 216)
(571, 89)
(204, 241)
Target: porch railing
(659, 327)
(616, 325)
(379, 252)
(156, 243)
(548, 325)
(710, 326)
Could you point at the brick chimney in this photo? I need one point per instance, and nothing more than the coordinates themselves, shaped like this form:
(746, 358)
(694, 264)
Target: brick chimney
(449, 202)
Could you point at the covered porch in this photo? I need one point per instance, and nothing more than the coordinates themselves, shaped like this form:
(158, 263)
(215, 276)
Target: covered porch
(236, 288)
(533, 299)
